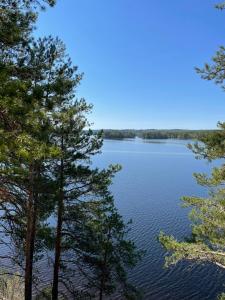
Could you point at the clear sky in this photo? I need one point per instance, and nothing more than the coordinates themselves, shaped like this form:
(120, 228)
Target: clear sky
(138, 58)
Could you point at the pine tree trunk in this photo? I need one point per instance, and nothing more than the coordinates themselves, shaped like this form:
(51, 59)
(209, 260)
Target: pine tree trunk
(103, 271)
(58, 232)
(102, 284)
(28, 267)
(30, 240)
(57, 253)
(29, 260)
(101, 293)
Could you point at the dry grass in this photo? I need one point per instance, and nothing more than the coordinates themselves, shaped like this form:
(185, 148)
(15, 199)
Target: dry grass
(11, 288)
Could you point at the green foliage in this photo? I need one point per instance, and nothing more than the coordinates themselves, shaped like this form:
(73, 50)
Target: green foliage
(45, 294)
(118, 134)
(17, 20)
(220, 6)
(26, 147)
(212, 146)
(102, 250)
(221, 297)
(207, 214)
(156, 134)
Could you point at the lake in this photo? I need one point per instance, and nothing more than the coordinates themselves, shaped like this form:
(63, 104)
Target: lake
(154, 176)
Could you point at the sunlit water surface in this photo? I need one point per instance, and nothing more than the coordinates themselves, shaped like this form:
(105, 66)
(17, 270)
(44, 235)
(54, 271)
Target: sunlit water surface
(154, 176)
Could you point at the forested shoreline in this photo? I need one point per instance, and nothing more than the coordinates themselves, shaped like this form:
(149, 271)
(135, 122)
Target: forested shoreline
(182, 134)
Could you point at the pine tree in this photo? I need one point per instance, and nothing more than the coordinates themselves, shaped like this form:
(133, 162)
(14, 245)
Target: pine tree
(75, 179)
(26, 147)
(19, 121)
(99, 249)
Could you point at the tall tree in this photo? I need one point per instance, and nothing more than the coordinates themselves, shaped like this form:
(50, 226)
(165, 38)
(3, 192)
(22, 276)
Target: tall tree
(75, 179)
(17, 114)
(25, 179)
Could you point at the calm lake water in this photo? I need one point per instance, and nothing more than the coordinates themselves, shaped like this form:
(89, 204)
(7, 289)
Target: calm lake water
(155, 175)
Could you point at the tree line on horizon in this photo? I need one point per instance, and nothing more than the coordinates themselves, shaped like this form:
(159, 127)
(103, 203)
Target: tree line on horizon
(182, 134)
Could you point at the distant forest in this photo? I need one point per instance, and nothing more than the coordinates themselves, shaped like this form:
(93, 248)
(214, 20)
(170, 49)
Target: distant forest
(155, 134)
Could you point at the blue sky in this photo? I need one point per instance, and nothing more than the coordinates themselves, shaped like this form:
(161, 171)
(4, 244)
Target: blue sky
(138, 58)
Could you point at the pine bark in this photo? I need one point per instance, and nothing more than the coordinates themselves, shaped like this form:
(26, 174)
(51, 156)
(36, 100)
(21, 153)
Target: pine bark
(30, 237)
(55, 287)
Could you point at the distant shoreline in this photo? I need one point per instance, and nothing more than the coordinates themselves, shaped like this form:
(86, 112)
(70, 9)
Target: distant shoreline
(155, 134)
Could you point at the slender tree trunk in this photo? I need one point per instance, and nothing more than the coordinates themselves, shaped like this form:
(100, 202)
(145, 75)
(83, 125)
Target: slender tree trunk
(58, 232)
(30, 239)
(57, 252)
(28, 266)
(102, 285)
(101, 291)
(30, 257)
